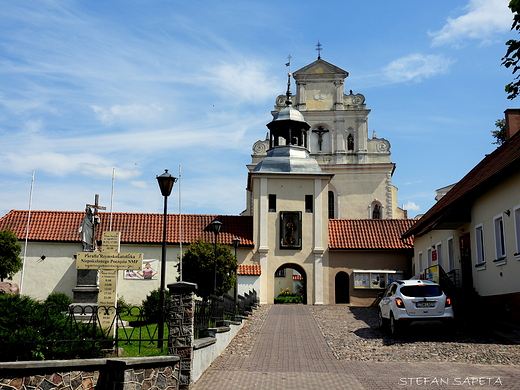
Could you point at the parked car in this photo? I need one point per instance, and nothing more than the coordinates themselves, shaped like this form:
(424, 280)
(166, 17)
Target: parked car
(407, 301)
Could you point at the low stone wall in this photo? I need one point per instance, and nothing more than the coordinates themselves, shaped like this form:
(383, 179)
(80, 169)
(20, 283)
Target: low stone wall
(157, 372)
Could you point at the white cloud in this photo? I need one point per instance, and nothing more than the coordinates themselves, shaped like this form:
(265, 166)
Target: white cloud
(133, 113)
(482, 20)
(411, 206)
(139, 184)
(416, 67)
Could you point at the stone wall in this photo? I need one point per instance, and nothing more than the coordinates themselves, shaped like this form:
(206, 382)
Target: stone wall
(155, 373)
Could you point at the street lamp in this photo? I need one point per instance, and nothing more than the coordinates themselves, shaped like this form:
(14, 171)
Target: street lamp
(215, 227)
(166, 182)
(236, 242)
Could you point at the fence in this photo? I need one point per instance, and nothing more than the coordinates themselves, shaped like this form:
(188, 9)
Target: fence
(49, 332)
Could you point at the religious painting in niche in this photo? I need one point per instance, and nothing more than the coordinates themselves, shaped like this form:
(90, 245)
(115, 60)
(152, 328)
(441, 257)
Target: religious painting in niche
(147, 272)
(290, 229)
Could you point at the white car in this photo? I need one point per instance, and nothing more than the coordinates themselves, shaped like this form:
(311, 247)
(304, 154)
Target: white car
(407, 301)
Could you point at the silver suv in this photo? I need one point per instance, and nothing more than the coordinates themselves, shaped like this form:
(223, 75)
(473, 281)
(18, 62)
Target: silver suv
(407, 301)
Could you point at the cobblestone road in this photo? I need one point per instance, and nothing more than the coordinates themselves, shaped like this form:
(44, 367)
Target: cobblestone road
(339, 347)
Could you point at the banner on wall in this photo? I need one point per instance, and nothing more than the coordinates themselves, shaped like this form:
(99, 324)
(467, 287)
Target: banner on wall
(148, 271)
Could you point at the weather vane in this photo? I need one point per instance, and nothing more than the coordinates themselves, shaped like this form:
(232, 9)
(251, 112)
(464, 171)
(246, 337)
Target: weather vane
(288, 63)
(318, 47)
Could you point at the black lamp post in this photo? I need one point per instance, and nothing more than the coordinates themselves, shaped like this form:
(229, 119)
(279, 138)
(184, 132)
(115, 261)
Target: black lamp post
(236, 242)
(166, 182)
(215, 228)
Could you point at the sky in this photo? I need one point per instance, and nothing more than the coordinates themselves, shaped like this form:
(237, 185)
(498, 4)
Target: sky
(100, 97)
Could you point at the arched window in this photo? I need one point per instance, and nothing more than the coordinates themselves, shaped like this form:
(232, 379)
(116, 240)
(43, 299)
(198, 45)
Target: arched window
(331, 205)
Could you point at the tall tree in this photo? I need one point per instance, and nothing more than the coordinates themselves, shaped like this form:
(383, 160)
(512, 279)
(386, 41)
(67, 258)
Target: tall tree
(512, 57)
(10, 261)
(500, 133)
(198, 263)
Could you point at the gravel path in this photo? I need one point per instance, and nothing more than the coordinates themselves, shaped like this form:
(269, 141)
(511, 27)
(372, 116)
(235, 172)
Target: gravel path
(353, 335)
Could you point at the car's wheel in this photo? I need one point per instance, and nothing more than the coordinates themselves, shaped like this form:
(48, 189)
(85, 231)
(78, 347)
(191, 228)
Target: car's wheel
(395, 326)
(382, 321)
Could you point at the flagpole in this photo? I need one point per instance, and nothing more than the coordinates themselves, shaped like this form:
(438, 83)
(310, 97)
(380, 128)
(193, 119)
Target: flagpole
(112, 197)
(180, 221)
(27, 232)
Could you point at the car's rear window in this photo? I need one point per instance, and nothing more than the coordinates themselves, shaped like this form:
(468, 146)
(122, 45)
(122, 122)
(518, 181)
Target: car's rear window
(421, 291)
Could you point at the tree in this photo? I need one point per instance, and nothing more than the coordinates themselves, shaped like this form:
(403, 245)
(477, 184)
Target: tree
(198, 267)
(500, 133)
(10, 261)
(512, 56)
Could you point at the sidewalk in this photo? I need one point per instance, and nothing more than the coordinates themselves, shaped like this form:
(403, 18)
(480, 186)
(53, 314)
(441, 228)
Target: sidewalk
(290, 352)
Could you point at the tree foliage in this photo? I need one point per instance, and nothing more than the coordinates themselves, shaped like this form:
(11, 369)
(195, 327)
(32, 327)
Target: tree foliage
(198, 267)
(500, 133)
(10, 261)
(512, 57)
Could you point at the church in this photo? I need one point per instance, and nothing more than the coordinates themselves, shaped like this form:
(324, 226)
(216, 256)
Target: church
(321, 208)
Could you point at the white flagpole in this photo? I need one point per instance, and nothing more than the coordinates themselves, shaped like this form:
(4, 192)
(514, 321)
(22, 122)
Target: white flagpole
(112, 197)
(27, 232)
(180, 221)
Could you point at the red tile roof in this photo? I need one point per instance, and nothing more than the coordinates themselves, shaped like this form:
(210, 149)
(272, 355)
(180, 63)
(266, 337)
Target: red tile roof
(62, 226)
(369, 233)
(249, 269)
(454, 207)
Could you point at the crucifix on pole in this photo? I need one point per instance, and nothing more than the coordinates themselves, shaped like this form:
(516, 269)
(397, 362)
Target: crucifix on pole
(94, 218)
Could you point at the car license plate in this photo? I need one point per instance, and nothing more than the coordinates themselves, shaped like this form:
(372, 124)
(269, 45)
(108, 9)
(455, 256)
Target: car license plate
(425, 304)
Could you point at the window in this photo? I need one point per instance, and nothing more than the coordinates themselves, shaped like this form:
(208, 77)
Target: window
(429, 252)
(280, 273)
(272, 203)
(331, 205)
(451, 254)
(516, 213)
(309, 203)
(479, 238)
(378, 280)
(420, 263)
(438, 249)
(500, 242)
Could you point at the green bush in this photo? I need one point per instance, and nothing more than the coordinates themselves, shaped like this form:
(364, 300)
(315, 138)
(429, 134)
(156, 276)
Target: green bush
(152, 311)
(285, 296)
(31, 330)
(60, 300)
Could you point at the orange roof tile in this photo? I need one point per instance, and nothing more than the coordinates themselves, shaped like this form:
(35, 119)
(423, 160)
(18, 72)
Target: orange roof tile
(369, 233)
(138, 228)
(249, 269)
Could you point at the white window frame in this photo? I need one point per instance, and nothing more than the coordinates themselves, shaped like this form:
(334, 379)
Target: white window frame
(516, 217)
(500, 239)
(420, 261)
(429, 254)
(451, 253)
(438, 249)
(480, 256)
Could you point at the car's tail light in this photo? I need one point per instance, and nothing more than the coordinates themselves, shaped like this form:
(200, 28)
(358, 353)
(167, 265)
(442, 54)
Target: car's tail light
(448, 302)
(399, 302)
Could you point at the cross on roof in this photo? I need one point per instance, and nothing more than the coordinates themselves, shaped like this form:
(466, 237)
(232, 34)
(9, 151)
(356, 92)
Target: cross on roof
(319, 49)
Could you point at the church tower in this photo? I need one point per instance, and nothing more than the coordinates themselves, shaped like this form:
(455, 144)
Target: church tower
(338, 139)
(288, 192)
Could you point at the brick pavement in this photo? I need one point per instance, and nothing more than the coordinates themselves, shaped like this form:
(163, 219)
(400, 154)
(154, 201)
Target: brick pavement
(291, 353)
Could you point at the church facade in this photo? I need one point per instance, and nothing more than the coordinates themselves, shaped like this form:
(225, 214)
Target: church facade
(320, 204)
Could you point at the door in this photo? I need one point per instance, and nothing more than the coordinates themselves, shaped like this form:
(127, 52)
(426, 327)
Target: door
(465, 262)
(342, 287)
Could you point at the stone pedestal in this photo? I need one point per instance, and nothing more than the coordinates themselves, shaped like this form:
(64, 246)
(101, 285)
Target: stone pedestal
(181, 329)
(85, 294)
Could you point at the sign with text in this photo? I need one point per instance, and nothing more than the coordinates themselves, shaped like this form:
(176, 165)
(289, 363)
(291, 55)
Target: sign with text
(104, 260)
(111, 242)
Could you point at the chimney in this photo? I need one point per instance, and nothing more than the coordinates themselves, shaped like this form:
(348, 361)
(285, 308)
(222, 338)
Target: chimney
(512, 122)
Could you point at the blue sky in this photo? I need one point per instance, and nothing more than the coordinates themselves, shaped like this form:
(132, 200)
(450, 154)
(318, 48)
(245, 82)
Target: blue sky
(143, 86)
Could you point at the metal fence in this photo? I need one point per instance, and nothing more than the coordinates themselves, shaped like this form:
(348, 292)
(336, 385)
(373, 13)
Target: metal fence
(49, 332)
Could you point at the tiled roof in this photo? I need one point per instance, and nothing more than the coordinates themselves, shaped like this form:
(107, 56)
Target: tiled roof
(250, 269)
(455, 205)
(369, 233)
(138, 228)
(297, 277)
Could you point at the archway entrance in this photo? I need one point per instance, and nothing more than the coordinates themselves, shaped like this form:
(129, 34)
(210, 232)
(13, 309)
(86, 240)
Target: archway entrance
(290, 280)
(342, 287)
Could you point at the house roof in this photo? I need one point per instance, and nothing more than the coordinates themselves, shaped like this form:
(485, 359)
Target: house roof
(250, 269)
(141, 228)
(369, 233)
(454, 208)
(135, 228)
